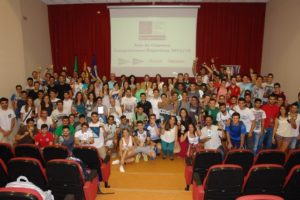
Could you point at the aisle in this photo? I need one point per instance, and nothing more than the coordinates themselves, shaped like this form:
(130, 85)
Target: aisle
(152, 180)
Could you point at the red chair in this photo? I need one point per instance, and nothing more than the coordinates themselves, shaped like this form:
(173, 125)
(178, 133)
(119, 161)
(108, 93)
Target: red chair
(223, 182)
(66, 177)
(12, 193)
(293, 159)
(260, 197)
(6, 152)
(241, 157)
(3, 174)
(29, 150)
(30, 168)
(89, 156)
(291, 186)
(270, 156)
(55, 152)
(204, 159)
(264, 179)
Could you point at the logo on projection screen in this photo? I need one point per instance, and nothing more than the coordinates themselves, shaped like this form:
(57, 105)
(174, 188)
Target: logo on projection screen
(149, 30)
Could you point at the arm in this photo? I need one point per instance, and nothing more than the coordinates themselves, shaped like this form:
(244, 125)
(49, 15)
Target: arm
(275, 129)
(229, 140)
(242, 140)
(252, 128)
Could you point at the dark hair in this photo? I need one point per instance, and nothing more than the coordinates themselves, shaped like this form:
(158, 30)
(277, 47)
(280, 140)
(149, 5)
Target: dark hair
(4, 99)
(168, 125)
(139, 122)
(65, 117)
(241, 99)
(29, 120)
(276, 84)
(236, 114)
(286, 111)
(257, 100)
(222, 104)
(44, 126)
(208, 116)
(81, 116)
(143, 93)
(94, 113)
(123, 117)
(84, 124)
(65, 127)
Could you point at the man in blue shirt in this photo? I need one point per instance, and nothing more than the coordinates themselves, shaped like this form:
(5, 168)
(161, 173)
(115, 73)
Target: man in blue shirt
(236, 132)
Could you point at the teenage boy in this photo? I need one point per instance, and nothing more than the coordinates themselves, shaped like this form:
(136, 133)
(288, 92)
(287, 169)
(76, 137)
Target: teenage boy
(236, 132)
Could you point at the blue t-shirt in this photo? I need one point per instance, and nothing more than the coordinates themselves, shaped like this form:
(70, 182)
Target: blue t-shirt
(235, 131)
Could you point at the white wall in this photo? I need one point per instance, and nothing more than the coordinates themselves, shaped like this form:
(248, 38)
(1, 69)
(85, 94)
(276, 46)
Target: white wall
(281, 48)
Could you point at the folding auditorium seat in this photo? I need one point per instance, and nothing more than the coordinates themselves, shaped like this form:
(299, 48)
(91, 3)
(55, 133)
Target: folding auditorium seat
(291, 186)
(29, 150)
(19, 194)
(6, 152)
(223, 182)
(30, 168)
(55, 152)
(3, 174)
(264, 179)
(260, 197)
(270, 156)
(203, 160)
(65, 177)
(241, 157)
(89, 156)
(292, 160)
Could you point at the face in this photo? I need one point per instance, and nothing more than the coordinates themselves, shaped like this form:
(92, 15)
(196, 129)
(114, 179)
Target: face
(140, 126)
(36, 86)
(282, 110)
(172, 120)
(66, 132)
(125, 133)
(191, 128)
(95, 118)
(65, 122)
(272, 100)
(143, 97)
(72, 119)
(257, 104)
(270, 79)
(152, 119)
(280, 101)
(294, 109)
(140, 110)
(242, 104)
(84, 128)
(223, 109)
(60, 106)
(208, 121)
(155, 93)
(235, 119)
(66, 95)
(44, 114)
(44, 130)
(110, 120)
(183, 113)
(31, 124)
(4, 105)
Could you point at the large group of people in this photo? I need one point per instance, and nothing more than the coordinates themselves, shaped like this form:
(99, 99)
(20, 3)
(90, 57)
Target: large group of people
(156, 116)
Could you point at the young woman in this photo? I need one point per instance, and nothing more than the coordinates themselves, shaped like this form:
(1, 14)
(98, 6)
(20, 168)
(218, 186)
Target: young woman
(158, 82)
(45, 105)
(168, 137)
(183, 126)
(193, 137)
(27, 111)
(90, 104)
(132, 82)
(104, 94)
(78, 104)
(282, 130)
(126, 150)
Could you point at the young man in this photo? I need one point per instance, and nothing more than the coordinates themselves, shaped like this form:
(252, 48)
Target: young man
(68, 102)
(58, 114)
(212, 110)
(233, 89)
(97, 129)
(26, 134)
(236, 132)
(247, 117)
(154, 129)
(110, 132)
(128, 103)
(66, 139)
(154, 102)
(7, 121)
(146, 105)
(62, 87)
(224, 116)
(45, 119)
(271, 110)
(44, 137)
(294, 119)
(34, 93)
(84, 137)
(142, 142)
(139, 115)
(59, 130)
(259, 129)
(268, 87)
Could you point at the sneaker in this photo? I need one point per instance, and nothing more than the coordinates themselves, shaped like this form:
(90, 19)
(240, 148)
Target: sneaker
(145, 157)
(122, 170)
(137, 158)
(115, 162)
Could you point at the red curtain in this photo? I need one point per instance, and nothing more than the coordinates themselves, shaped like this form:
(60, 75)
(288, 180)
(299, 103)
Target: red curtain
(232, 32)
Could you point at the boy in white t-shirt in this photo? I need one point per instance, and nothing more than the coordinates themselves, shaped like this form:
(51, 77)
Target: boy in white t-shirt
(7, 121)
(259, 129)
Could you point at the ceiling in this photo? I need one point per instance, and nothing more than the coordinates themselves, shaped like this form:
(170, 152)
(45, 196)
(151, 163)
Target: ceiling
(53, 2)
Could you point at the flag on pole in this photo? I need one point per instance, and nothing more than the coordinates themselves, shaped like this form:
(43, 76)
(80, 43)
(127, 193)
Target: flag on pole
(75, 64)
(85, 69)
(94, 65)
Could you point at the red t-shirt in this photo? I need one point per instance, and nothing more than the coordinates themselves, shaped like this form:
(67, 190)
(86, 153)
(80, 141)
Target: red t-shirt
(234, 91)
(271, 113)
(44, 140)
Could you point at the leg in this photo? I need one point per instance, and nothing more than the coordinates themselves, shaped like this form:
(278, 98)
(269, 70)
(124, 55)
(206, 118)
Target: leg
(256, 139)
(171, 150)
(268, 138)
(164, 149)
(293, 143)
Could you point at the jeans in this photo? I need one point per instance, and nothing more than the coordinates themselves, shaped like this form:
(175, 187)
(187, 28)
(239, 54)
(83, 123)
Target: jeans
(248, 142)
(257, 142)
(266, 138)
(167, 148)
(293, 143)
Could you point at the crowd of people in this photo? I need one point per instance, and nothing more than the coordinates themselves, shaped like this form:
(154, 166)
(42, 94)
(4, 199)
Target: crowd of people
(168, 117)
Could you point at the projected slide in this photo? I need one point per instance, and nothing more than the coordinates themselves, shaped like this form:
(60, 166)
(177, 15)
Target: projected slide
(152, 40)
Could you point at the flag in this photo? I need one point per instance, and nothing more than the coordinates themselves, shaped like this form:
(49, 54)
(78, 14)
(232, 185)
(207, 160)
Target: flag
(85, 69)
(94, 65)
(75, 64)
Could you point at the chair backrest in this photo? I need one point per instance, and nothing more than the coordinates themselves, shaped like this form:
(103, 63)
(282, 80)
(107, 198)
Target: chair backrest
(89, 156)
(65, 177)
(19, 194)
(292, 160)
(55, 152)
(264, 179)
(29, 150)
(223, 182)
(241, 157)
(292, 183)
(29, 167)
(204, 159)
(3, 174)
(270, 156)
(6, 152)
(260, 197)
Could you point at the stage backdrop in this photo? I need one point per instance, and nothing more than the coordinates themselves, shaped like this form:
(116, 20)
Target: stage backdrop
(232, 32)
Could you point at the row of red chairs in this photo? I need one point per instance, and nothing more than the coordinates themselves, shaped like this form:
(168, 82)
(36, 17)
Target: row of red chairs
(89, 156)
(63, 177)
(227, 182)
(204, 159)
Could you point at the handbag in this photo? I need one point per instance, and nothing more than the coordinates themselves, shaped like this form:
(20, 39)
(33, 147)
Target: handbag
(22, 182)
(177, 147)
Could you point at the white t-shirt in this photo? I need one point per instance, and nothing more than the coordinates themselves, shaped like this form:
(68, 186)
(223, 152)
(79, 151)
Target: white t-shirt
(215, 141)
(26, 115)
(68, 106)
(154, 103)
(97, 134)
(40, 121)
(84, 136)
(259, 116)
(295, 132)
(6, 117)
(221, 118)
(170, 135)
(129, 104)
(57, 116)
(153, 133)
(246, 115)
